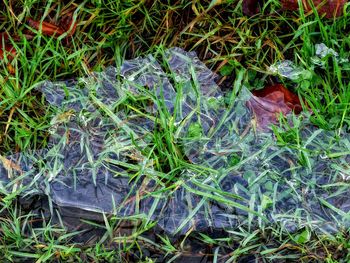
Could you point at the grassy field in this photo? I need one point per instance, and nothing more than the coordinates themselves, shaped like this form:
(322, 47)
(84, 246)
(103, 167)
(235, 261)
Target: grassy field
(238, 47)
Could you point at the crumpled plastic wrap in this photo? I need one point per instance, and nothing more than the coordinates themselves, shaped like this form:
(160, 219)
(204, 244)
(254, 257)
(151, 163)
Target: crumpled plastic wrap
(288, 69)
(98, 157)
(322, 51)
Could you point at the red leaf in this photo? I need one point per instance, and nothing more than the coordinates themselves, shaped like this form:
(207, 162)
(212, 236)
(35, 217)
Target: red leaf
(5, 47)
(48, 29)
(329, 8)
(4, 36)
(268, 103)
(10, 51)
(67, 22)
(250, 7)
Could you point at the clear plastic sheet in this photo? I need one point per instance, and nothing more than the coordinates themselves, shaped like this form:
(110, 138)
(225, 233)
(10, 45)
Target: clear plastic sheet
(98, 157)
(288, 69)
(322, 51)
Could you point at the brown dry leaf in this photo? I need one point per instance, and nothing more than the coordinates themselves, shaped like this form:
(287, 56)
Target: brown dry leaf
(47, 29)
(4, 36)
(250, 7)
(64, 25)
(8, 49)
(269, 102)
(11, 69)
(329, 8)
(67, 23)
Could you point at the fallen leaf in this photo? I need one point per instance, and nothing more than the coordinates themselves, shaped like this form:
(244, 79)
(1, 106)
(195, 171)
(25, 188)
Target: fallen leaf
(250, 7)
(11, 69)
(269, 102)
(4, 36)
(67, 24)
(47, 29)
(278, 92)
(8, 49)
(329, 8)
(4, 47)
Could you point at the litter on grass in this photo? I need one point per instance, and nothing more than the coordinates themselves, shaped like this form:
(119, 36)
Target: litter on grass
(288, 69)
(101, 156)
(322, 51)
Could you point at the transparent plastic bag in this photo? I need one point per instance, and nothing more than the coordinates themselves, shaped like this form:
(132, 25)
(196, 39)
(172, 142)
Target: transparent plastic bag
(238, 176)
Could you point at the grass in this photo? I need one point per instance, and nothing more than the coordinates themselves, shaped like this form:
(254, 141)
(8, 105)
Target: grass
(241, 48)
